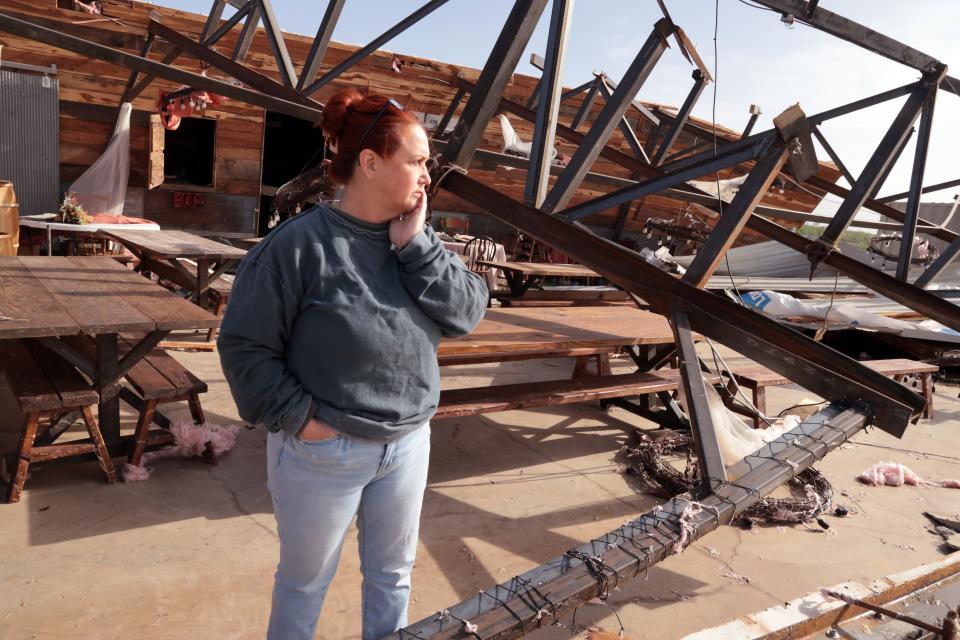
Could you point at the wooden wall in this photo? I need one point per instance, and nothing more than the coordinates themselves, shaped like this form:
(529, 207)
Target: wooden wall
(423, 85)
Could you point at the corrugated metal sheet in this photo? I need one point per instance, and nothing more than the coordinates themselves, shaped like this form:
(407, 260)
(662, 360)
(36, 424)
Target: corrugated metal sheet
(29, 138)
(222, 215)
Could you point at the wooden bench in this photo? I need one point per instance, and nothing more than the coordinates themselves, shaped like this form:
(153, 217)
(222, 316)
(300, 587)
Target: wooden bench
(158, 379)
(45, 385)
(758, 378)
(456, 403)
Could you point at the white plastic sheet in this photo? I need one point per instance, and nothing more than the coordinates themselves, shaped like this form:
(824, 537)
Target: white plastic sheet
(102, 188)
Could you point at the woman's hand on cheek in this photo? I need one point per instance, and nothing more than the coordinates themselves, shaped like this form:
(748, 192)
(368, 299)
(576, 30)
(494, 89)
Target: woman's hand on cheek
(404, 228)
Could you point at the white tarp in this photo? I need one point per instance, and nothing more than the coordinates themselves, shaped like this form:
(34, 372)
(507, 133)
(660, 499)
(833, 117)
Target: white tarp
(102, 188)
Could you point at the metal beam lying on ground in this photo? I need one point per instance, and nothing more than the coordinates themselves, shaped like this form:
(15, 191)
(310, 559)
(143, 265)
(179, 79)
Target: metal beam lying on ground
(540, 596)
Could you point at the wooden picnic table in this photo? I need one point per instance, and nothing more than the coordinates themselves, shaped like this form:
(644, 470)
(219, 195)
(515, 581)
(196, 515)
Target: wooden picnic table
(172, 254)
(526, 333)
(55, 299)
(522, 275)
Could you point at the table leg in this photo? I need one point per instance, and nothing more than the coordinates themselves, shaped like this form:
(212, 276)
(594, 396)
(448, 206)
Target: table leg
(202, 294)
(108, 385)
(49, 242)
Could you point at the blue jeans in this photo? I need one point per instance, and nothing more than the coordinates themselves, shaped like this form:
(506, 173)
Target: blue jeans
(317, 488)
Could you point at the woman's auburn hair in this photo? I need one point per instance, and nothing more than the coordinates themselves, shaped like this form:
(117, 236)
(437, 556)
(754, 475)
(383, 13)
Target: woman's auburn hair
(346, 116)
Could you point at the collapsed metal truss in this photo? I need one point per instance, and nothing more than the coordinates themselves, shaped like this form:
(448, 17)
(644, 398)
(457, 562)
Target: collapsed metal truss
(857, 395)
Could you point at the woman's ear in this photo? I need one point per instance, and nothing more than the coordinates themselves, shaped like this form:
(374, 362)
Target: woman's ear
(368, 163)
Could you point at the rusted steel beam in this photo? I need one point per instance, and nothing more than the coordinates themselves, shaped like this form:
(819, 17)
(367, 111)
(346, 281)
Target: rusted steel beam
(811, 364)
(70, 43)
(536, 598)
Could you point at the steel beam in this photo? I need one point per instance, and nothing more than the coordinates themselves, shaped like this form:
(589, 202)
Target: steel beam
(108, 54)
(275, 37)
(754, 116)
(144, 52)
(704, 432)
(833, 155)
(545, 128)
(246, 34)
(245, 74)
(735, 216)
(375, 44)
(636, 104)
(853, 32)
(930, 189)
(527, 602)
(893, 162)
(319, 47)
(916, 184)
(496, 73)
(448, 114)
(609, 118)
(764, 340)
(876, 166)
(625, 129)
(213, 18)
(174, 53)
(587, 104)
(699, 83)
(708, 165)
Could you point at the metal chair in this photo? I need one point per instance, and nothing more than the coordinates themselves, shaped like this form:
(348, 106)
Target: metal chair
(480, 249)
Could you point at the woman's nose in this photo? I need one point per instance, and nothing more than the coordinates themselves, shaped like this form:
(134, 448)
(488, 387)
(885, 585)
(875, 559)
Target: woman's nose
(425, 177)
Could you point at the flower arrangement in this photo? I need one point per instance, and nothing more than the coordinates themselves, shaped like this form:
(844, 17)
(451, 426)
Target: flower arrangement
(71, 211)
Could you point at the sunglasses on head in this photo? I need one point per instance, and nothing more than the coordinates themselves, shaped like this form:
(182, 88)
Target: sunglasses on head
(373, 123)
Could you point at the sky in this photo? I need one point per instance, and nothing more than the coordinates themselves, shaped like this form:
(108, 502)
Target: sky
(758, 60)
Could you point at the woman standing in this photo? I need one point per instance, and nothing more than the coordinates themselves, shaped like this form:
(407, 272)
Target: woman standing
(330, 343)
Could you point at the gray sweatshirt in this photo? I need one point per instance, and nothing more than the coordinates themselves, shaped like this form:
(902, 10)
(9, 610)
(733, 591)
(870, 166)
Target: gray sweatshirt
(327, 320)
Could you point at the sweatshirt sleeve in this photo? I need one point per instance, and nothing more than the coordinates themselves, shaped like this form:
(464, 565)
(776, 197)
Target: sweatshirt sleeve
(450, 294)
(252, 345)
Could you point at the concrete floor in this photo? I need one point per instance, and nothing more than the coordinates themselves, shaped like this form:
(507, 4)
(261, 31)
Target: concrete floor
(191, 552)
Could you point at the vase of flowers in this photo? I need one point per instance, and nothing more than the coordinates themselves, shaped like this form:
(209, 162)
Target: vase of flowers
(71, 211)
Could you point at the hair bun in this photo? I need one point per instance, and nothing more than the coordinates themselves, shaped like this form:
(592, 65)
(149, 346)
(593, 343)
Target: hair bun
(336, 112)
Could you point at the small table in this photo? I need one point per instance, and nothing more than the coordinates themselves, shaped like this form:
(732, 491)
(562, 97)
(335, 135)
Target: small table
(170, 255)
(46, 221)
(522, 275)
(55, 298)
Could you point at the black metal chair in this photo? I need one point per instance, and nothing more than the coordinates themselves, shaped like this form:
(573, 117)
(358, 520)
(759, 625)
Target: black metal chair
(480, 249)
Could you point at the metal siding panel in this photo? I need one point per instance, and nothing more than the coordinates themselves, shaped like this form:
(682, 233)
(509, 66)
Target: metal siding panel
(30, 138)
(222, 214)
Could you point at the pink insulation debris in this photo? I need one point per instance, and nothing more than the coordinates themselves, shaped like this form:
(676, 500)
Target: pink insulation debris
(207, 439)
(894, 474)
